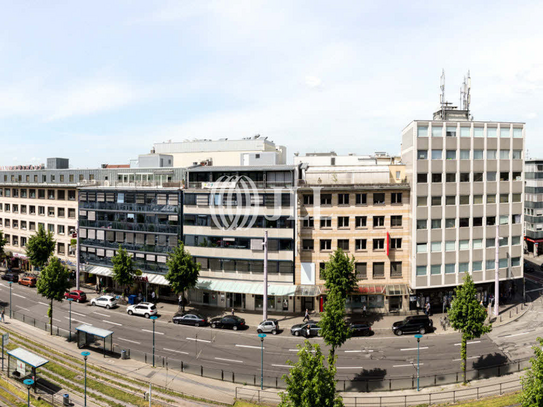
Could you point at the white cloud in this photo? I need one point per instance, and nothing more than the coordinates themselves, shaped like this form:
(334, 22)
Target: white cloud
(313, 81)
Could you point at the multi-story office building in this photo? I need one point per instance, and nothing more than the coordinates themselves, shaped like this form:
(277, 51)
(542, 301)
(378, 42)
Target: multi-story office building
(467, 185)
(533, 207)
(226, 212)
(361, 205)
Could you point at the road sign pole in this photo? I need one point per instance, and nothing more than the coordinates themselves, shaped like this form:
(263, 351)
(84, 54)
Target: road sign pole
(154, 317)
(261, 336)
(10, 284)
(418, 336)
(265, 299)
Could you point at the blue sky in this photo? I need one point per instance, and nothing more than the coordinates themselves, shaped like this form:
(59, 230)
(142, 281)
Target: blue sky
(99, 82)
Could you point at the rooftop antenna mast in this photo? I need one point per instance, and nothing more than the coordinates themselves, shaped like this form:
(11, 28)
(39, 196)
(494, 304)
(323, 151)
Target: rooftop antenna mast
(442, 94)
(467, 92)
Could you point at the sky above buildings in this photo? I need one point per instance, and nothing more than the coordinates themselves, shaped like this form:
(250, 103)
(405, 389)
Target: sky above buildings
(101, 81)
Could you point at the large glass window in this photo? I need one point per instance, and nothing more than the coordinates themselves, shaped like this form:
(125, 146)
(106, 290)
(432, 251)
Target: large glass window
(491, 176)
(505, 132)
(451, 155)
(464, 131)
(450, 223)
(478, 132)
(422, 201)
(504, 154)
(450, 245)
(436, 200)
(503, 263)
(422, 247)
(477, 154)
(421, 270)
(422, 224)
(422, 131)
(490, 154)
(463, 245)
(436, 247)
(437, 131)
(464, 154)
(437, 154)
(477, 243)
(450, 268)
(490, 264)
(436, 223)
(517, 133)
(463, 267)
(451, 131)
(492, 132)
(477, 266)
(422, 177)
(422, 154)
(517, 154)
(435, 269)
(436, 177)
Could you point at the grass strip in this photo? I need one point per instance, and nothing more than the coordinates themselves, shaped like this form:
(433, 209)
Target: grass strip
(494, 401)
(7, 391)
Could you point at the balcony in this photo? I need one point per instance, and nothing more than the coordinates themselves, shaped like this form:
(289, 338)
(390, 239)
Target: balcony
(153, 208)
(127, 246)
(135, 227)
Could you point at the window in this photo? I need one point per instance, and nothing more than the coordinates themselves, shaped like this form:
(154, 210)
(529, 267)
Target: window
(436, 247)
(396, 198)
(422, 131)
(490, 264)
(464, 199)
(491, 199)
(41, 193)
(477, 177)
(378, 199)
(515, 261)
(41, 210)
(465, 131)
(378, 221)
(437, 131)
(398, 174)
(308, 199)
(396, 221)
(71, 195)
(71, 213)
(517, 133)
(450, 177)
(450, 223)
(343, 222)
(379, 270)
(504, 176)
(464, 154)
(504, 154)
(396, 243)
(491, 132)
(422, 178)
(422, 200)
(60, 229)
(490, 154)
(464, 177)
(308, 222)
(504, 198)
(422, 224)
(395, 269)
(436, 200)
(451, 131)
(343, 244)
(505, 132)
(477, 199)
(50, 194)
(517, 176)
(61, 212)
(451, 155)
(326, 199)
(326, 223)
(463, 268)
(464, 222)
(517, 154)
(378, 244)
(50, 211)
(436, 177)
(326, 244)
(422, 247)
(450, 246)
(343, 199)
(450, 200)
(515, 219)
(421, 270)
(517, 197)
(491, 176)
(476, 266)
(361, 221)
(478, 221)
(361, 270)
(477, 243)
(490, 242)
(503, 241)
(360, 244)
(450, 268)
(490, 220)
(422, 154)
(437, 154)
(361, 199)
(477, 154)
(435, 269)
(51, 228)
(436, 223)
(504, 219)
(503, 263)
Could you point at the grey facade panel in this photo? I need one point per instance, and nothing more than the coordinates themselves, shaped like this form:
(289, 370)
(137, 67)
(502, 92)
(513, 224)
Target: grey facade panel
(477, 276)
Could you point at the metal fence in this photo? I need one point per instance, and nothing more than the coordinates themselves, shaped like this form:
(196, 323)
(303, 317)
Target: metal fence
(364, 382)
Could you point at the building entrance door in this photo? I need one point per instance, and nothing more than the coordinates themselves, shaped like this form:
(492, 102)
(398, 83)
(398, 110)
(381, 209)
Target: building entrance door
(308, 303)
(239, 300)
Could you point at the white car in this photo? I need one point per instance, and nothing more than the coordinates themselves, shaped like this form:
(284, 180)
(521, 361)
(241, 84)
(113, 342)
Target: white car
(106, 301)
(146, 309)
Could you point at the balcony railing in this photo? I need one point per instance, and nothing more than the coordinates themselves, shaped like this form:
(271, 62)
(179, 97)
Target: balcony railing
(135, 227)
(154, 208)
(127, 246)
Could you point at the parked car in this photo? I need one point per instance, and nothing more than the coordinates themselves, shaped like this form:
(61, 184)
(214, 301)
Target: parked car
(28, 281)
(360, 329)
(146, 309)
(10, 276)
(413, 324)
(307, 329)
(76, 295)
(269, 325)
(106, 301)
(189, 319)
(230, 321)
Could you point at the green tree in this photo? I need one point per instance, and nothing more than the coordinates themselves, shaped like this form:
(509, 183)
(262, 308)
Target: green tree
(54, 281)
(467, 316)
(183, 271)
(124, 269)
(309, 382)
(334, 328)
(3, 243)
(532, 382)
(40, 247)
(339, 274)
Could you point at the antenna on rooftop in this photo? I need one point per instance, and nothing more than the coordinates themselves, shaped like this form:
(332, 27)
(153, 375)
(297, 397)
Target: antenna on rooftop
(442, 94)
(467, 94)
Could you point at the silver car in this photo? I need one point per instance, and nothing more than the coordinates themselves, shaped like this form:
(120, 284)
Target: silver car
(106, 301)
(269, 325)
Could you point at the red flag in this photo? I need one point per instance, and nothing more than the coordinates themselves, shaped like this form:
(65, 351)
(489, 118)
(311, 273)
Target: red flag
(388, 243)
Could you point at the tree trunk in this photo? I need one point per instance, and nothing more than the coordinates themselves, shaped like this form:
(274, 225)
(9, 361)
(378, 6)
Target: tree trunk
(463, 353)
(51, 318)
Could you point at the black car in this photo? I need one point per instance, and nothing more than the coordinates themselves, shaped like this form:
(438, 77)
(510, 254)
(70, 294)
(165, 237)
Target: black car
(360, 329)
(308, 329)
(413, 324)
(230, 321)
(189, 319)
(9, 276)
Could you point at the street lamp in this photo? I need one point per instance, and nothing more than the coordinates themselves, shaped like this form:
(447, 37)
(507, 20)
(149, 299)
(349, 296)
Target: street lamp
(70, 300)
(418, 336)
(261, 336)
(10, 284)
(154, 317)
(85, 356)
(29, 383)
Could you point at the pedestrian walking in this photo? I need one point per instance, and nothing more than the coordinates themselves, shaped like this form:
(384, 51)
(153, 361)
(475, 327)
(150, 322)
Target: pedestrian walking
(2, 314)
(153, 297)
(364, 312)
(180, 301)
(306, 316)
(428, 309)
(232, 311)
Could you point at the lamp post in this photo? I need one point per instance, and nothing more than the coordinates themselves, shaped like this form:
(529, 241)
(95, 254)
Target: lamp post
(29, 383)
(154, 317)
(10, 284)
(70, 300)
(85, 356)
(261, 336)
(418, 336)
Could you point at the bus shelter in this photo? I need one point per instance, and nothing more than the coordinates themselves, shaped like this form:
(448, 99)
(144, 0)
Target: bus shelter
(22, 364)
(90, 336)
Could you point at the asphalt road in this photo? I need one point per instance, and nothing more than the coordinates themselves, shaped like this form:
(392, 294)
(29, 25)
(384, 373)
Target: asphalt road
(382, 355)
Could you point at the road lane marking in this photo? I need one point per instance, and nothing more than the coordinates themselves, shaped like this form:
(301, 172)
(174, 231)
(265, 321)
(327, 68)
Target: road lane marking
(26, 309)
(350, 367)
(471, 357)
(198, 340)
(468, 343)
(353, 351)
(158, 333)
(230, 360)
(289, 366)
(176, 351)
(43, 303)
(77, 313)
(422, 347)
(128, 340)
(102, 315)
(296, 350)
(110, 322)
(77, 320)
(249, 346)
(410, 364)
(510, 336)
(54, 319)
(19, 295)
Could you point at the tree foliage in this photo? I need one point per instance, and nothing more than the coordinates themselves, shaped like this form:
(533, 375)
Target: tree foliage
(40, 247)
(339, 274)
(124, 269)
(334, 328)
(183, 271)
(467, 316)
(309, 382)
(3, 243)
(532, 382)
(54, 281)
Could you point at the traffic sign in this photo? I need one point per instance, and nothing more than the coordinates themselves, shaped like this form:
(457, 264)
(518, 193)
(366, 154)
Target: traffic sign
(261, 335)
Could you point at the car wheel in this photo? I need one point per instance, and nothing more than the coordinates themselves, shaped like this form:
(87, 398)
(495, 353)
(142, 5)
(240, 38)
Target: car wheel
(297, 333)
(78, 301)
(213, 326)
(399, 332)
(274, 332)
(235, 328)
(259, 331)
(422, 331)
(93, 304)
(130, 312)
(176, 322)
(107, 306)
(197, 324)
(146, 315)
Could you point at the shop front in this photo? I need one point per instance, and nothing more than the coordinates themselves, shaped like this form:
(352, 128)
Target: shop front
(308, 297)
(381, 299)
